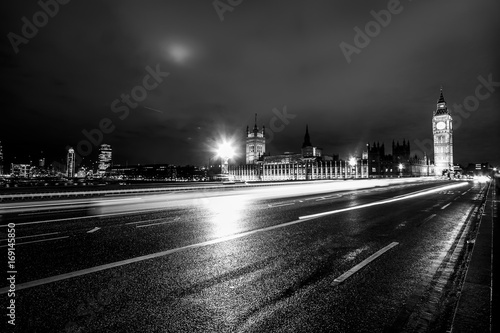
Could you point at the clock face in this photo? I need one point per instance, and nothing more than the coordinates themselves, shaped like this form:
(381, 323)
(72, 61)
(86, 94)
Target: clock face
(441, 125)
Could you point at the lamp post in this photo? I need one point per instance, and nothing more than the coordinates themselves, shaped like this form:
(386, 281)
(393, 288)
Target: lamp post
(225, 152)
(400, 167)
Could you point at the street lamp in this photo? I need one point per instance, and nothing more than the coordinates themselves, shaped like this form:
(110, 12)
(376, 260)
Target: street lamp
(225, 152)
(400, 167)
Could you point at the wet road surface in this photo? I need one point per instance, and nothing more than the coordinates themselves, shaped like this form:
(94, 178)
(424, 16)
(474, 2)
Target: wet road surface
(298, 258)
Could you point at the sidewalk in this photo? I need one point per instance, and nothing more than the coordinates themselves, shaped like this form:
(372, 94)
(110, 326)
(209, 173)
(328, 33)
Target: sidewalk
(474, 310)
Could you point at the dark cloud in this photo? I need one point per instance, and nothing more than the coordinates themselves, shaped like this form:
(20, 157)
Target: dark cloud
(264, 55)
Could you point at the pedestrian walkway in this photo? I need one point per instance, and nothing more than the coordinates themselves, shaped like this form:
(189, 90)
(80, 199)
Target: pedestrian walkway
(478, 298)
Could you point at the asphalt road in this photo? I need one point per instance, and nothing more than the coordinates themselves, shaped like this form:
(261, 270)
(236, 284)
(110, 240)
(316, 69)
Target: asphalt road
(296, 258)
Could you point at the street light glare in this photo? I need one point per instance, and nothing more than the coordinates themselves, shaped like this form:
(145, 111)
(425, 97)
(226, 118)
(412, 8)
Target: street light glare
(225, 150)
(352, 161)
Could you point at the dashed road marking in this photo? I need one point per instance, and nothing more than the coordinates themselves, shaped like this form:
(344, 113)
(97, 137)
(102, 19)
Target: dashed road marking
(31, 236)
(428, 218)
(281, 205)
(36, 241)
(449, 203)
(145, 221)
(362, 264)
(382, 202)
(152, 224)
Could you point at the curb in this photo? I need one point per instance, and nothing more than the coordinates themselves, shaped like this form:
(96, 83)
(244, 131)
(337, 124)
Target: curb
(473, 312)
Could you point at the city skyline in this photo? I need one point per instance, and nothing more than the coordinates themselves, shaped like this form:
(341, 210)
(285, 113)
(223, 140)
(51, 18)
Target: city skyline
(354, 73)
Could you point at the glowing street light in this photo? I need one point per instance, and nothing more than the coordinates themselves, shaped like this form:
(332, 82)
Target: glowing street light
(225, 152)
(400, 167)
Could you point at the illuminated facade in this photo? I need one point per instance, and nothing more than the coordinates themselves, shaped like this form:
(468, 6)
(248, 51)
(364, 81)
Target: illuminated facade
(255, 143)
(105, 155)
(443, 137)
(70, 163)
(307, 165)
(20, 170)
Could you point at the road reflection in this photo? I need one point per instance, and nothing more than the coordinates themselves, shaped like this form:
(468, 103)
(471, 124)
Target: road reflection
(226, 214)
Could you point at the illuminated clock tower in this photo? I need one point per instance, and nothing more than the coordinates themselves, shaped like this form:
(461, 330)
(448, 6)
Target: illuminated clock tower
(443, 137)
(255, 143)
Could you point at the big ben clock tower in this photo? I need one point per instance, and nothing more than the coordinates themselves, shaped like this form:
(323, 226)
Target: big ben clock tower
(443, 137)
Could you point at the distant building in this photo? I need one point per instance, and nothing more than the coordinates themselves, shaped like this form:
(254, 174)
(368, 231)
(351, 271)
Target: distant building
(158, 172)
(105, 156)
(20, 170)
(309, 164)
(70, 163)
(399, 163)
(308, 150)
(255, 143)
(41, 160)
(478, 169)
(443, 138)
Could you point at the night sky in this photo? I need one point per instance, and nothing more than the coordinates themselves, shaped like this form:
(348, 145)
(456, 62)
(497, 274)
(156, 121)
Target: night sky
(262, 55)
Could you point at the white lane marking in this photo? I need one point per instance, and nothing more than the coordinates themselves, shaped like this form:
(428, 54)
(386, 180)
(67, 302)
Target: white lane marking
(71, 203)
(362, 264)
(40, 235)
(93, 230)
(88, 217)
(411, 195)
(148, 225)
(145, 257)
(449, 203)
(419, 191)
(54, 211)
(281, 205)
(111, 201)
(37, 241)
(145, 221)
(429, 218)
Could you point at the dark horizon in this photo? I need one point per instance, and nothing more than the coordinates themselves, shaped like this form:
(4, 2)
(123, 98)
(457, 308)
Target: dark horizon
(200, 75)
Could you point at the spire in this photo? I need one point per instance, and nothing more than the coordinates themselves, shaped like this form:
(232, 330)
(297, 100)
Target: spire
(255, 129)
(441, 98)
(441, 105)
(307, 139)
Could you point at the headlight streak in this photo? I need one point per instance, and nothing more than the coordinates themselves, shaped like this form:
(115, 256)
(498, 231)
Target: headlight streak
(409, 196)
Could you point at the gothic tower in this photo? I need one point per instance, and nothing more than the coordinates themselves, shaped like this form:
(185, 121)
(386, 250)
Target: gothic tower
(443, 137)
(255, 143)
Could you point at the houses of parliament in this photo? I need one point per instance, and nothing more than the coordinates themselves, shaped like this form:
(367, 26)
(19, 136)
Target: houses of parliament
(311, 163)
